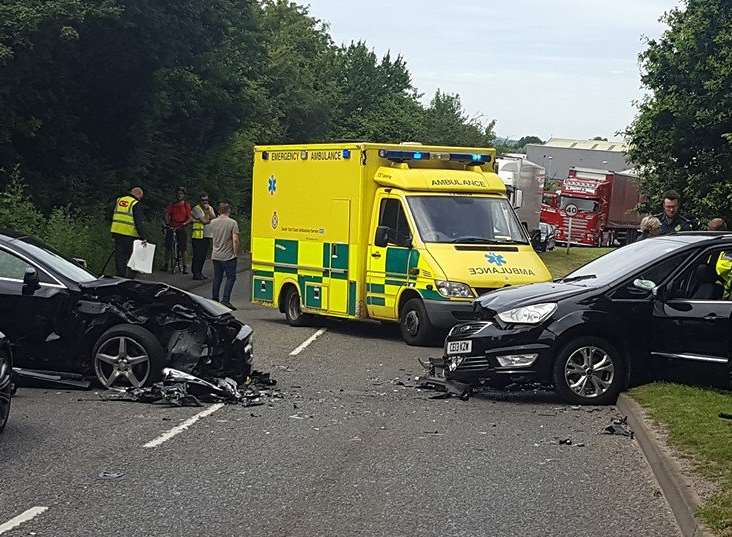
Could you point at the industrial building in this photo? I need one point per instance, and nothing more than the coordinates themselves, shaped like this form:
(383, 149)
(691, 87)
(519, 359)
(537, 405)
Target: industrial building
(558, 155)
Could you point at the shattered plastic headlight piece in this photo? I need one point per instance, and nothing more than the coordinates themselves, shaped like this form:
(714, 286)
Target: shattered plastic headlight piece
(454, 362)
(454, 289)
(534, 314)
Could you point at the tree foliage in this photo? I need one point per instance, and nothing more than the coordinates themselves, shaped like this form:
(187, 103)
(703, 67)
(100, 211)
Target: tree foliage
(98, 95)
(678, 137)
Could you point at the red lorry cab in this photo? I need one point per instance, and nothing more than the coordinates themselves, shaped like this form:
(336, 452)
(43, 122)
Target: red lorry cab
(603, 208)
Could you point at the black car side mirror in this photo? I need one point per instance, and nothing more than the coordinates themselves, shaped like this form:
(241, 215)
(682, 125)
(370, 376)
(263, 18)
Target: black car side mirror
(536, 242)
(31, 282)
(382, 237)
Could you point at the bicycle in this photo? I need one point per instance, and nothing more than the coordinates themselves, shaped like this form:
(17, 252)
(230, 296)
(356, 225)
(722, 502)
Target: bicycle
(174, 261)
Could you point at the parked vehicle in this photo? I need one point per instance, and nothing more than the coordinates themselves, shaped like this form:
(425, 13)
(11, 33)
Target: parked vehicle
(403, 233)
(593, 332)
(543, 239)
(603, 208)
(524, 182)
(62, 318)
(6, 380)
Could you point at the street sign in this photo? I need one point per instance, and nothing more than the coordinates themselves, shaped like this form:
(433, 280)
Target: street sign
(571, 209)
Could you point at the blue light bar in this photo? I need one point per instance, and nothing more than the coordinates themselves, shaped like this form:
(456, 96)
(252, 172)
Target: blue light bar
(403, 156)
(473, 158)
(346, 153)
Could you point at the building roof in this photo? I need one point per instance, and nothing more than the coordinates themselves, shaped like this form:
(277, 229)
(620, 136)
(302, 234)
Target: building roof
(593, 145)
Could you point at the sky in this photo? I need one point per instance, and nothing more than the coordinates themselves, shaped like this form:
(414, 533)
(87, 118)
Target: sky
(561, 68)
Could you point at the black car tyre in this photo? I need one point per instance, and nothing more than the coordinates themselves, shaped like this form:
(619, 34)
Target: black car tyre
(589, 371)
(293, 308)
(128, 355)
(6, 388)
(415, 324)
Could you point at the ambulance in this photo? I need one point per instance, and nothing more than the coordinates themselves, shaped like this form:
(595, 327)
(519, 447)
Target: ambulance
(407, 233)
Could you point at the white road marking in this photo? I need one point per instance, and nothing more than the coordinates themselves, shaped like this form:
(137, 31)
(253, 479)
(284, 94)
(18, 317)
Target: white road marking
(30, 514)
(183, 426)
(308, 341)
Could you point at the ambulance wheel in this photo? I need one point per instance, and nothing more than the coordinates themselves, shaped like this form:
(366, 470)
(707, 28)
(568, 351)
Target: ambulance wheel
(293, 310)
(415, 325)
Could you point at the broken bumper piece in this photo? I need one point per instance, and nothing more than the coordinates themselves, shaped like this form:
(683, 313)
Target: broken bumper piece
(179, 388)
(438, 379)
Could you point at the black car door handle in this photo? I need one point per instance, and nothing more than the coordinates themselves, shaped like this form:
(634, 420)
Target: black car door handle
(376, 254)
(711, 317)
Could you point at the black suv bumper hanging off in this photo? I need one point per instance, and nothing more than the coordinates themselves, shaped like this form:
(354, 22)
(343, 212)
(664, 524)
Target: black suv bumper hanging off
(485, 351)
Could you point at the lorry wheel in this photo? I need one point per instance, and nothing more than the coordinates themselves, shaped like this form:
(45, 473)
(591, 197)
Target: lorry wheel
(293, 310)
(415, 325)
(589, 371)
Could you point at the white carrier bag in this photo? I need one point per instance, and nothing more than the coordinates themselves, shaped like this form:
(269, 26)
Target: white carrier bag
(142, 257)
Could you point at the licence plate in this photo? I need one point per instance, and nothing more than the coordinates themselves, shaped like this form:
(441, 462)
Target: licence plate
(459, 347)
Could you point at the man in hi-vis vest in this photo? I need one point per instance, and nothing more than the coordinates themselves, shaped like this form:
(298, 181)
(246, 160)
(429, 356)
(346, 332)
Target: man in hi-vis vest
(126, 228)
(202, 215)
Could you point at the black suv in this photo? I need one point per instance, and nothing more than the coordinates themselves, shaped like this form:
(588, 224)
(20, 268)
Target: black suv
(590, 333)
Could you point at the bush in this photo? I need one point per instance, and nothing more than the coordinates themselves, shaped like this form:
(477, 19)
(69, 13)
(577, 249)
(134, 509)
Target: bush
(66, 230)
(75, 235)
(17, 211)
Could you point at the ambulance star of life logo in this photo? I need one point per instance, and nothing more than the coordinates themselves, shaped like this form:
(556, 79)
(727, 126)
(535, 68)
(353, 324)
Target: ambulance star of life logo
(272, 186)
(495, 259)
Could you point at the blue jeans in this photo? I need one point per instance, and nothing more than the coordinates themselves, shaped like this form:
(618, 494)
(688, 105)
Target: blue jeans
(221, 268)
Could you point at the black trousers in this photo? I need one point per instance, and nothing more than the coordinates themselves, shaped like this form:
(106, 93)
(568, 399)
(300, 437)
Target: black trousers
(122, 254)
(200, 251)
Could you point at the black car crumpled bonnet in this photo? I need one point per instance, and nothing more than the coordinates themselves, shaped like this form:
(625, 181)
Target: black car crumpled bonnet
(197, 338)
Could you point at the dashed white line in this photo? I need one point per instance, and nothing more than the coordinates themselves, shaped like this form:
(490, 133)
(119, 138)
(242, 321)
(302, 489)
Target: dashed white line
(183, 426)
(30, 514)
(307, 342)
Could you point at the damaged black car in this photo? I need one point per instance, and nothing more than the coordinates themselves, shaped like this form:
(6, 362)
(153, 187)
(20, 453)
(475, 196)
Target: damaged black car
(63, 319)
(622, 318)
(6, 380)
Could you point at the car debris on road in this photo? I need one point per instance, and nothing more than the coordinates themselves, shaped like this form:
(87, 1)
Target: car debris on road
(182, 389)
(619, 426)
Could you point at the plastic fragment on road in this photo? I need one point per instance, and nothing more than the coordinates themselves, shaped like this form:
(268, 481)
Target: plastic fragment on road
(619, 427)
(110, 476)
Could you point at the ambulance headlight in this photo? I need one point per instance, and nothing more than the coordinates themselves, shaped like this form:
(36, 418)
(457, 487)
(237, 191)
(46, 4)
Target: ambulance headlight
(528, 314)
(454, 289)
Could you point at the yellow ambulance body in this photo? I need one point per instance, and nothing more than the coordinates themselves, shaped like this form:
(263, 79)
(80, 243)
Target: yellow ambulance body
(405, 233)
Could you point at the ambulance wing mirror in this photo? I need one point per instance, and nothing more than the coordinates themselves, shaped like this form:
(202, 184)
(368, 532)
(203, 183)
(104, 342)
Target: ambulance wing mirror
(382, 237)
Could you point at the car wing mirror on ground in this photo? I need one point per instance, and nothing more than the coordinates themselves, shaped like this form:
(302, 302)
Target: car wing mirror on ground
(382, 237)
(31, 283)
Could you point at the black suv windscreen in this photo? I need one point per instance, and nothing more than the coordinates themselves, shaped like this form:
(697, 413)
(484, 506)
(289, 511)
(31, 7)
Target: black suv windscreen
(623, 262)
(457, 219)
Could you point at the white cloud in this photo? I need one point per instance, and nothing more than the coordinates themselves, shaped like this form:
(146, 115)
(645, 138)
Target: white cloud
(565, 67)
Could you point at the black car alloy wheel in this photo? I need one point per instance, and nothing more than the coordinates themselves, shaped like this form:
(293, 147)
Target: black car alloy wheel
(5, 387)
(589, 371)
(127, 356)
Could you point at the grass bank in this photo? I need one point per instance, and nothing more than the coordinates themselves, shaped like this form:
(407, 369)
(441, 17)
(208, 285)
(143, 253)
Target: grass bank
(690, 415)
(560, 263)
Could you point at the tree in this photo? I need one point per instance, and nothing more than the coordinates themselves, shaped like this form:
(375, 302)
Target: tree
(677, 138)
(447, 123)
(599, 139)
(525, 140)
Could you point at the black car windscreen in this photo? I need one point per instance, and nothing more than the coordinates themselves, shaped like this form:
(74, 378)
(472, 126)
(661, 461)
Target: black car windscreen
(624, 261)
(465, 218)
(56, 261)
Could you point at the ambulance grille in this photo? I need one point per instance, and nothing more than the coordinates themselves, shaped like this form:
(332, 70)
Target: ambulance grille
(487, 248)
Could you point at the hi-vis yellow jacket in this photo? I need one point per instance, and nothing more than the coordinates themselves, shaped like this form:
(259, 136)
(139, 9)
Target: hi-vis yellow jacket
(123, 221)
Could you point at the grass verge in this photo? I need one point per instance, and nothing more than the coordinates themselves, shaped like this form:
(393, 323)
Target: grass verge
(690, 415)
(560, 263)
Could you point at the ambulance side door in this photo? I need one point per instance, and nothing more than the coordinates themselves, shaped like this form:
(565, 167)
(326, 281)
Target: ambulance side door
(385, 275)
